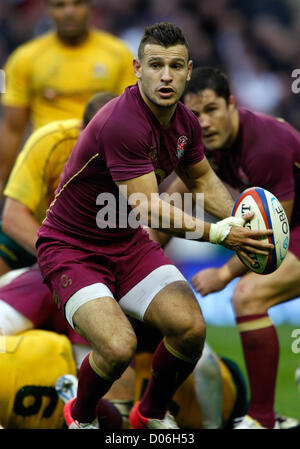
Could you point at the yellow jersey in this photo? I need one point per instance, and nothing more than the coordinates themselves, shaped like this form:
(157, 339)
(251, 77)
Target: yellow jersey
(55, 81)
(185, 406)
(38, 167)
(30, 364)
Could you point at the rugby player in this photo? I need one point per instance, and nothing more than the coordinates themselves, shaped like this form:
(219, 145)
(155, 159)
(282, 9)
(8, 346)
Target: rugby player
(247, 148)
(53, 76)
(98, 269)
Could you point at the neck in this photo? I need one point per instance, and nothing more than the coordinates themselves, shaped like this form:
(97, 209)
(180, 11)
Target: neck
(163, 114)
(236, 124)
(74, 40)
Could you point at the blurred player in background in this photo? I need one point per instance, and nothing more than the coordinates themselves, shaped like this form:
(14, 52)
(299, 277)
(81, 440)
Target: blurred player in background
(33, 181)
(54, 75)
(247, 148)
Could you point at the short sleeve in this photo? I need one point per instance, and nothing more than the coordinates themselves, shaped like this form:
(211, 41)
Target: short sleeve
(17, 80)
(279, 178)
(126, 152)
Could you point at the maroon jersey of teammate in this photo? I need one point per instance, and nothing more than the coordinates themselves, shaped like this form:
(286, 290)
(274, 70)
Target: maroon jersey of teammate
(27, 294)
(266, 153)
(123, 141)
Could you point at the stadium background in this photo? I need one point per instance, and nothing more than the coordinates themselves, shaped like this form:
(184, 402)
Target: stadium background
(257, 43)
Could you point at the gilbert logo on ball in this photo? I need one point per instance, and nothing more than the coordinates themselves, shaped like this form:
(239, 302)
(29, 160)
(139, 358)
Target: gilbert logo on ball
(269, 214)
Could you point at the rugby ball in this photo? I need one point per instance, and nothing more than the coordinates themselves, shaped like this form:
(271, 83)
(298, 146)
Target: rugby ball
(269, 214)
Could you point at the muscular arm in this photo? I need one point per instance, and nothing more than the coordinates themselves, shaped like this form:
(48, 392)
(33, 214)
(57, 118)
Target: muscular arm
(200, 178)
(159, 214)
(198, 181)
(156, 213)
(19, 224)
(177, 186)
(12, 130)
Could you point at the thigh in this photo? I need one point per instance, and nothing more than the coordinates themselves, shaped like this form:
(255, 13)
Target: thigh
(103, 324)
(174, 309)
(137, 301)
(100, 320)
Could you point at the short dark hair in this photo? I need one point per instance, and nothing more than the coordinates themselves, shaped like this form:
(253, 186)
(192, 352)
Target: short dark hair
(164, 34)
(209, 78)
(94, 104)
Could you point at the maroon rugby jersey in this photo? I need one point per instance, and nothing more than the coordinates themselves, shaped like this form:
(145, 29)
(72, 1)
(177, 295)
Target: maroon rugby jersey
(123, 141)
(266, 153)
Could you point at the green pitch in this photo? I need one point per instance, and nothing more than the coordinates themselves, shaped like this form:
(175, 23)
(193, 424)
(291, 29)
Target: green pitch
(226, 342)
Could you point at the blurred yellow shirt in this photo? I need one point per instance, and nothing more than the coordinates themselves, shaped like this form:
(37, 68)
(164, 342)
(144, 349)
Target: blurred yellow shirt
(30, 364)
(35, 175)
(55, 81)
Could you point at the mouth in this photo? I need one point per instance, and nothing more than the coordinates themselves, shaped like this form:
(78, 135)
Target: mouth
(166, 91)
(209, 135)
(70, 25)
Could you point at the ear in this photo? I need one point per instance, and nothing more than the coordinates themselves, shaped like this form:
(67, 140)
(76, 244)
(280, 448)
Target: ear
(137, 67)
(231, 100)
(190, 68)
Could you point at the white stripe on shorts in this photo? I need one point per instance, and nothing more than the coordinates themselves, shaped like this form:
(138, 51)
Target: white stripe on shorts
(85, 294)
(137, 300)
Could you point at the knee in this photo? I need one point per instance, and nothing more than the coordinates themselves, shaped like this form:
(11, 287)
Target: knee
(117, 353)
(248, 298)
(191, 336)
(178, 316)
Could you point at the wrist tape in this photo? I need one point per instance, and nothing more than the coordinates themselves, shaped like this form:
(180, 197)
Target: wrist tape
(220, 230)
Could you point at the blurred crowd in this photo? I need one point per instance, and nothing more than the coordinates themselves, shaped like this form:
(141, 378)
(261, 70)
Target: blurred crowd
(256, 42)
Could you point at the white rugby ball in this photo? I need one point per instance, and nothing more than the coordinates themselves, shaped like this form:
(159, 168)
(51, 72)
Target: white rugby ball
(269, 214)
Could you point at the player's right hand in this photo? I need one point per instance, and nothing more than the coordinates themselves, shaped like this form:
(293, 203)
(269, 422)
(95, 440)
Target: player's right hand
(244, 241)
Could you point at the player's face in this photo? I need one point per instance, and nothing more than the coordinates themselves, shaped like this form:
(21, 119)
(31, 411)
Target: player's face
(162, 74)
(215, 117)
(71, 17)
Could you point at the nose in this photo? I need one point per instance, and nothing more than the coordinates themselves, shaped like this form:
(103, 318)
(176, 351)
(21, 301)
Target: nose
(166, 76)
(204, 121)
(69, 10)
